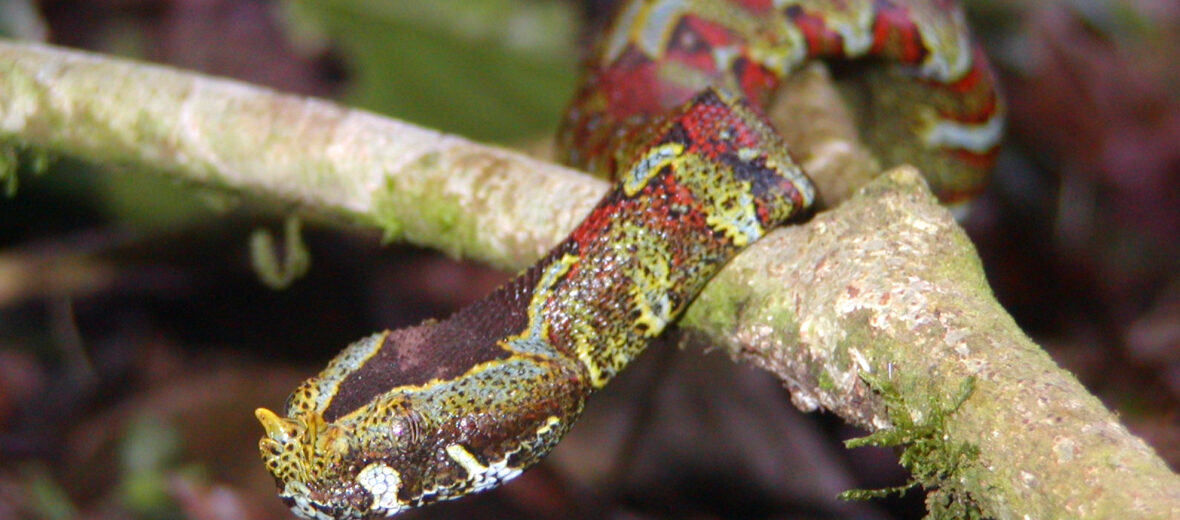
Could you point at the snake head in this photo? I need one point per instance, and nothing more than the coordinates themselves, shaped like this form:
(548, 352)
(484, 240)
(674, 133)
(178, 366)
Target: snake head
(350, 450)
(313, 460)
(304, 454)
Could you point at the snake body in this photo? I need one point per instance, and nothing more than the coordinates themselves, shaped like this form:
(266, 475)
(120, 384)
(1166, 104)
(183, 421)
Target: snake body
(672, 109)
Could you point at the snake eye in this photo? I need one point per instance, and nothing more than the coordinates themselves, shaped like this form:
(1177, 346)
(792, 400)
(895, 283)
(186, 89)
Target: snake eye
(406, 428)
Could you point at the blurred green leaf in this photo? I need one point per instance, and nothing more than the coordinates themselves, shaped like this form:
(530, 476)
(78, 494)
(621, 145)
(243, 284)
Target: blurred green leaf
(1115, 19)
(493, 70)
(149, 447)
(149, 201)
(46, 496)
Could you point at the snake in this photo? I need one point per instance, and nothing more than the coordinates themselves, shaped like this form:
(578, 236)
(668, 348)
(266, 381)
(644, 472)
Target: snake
(673, 108)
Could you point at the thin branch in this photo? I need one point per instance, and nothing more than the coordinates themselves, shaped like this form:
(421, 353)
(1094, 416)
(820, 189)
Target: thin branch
(883, 288)
(431, 189)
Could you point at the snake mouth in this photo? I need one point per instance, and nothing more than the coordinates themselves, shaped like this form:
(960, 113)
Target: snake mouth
(304, 503)
(339, 502)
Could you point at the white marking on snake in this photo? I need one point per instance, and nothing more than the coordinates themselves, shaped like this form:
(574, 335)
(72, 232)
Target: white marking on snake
(658, 26)
(383, 482)
(617, 40)
(482, 477)
(346, 362)
(976, 138)
(857, 35)
(649, 165)
(724, 56)
(952, 62)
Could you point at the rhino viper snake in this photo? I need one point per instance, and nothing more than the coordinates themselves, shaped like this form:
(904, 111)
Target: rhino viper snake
(671, 108)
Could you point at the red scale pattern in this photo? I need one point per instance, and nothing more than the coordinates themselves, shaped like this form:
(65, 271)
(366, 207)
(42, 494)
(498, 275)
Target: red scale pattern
(637, 86)
(821, 41)
(896, 36)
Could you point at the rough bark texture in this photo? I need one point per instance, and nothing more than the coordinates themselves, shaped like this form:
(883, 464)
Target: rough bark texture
(418, 185)
(884, 288)
(887, 285)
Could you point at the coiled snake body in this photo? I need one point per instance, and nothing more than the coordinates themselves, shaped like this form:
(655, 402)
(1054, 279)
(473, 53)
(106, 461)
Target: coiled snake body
(672, 109)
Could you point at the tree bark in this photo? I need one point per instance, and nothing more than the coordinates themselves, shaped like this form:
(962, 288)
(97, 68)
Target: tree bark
(877, 309)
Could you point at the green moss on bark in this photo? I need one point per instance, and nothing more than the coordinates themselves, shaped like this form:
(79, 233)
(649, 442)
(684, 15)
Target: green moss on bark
(919, 430)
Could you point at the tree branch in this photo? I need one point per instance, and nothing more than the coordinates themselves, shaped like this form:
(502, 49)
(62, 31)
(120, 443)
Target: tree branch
(886, 288)
(428, 188)
(877, 309)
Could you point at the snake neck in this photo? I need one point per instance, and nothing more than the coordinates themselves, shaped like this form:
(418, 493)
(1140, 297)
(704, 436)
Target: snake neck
(703, 182)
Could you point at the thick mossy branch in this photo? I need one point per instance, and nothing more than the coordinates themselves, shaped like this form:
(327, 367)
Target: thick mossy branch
(884, 283)
(887, 283)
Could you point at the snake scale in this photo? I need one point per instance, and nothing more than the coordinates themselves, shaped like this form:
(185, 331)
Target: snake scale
(672, 108)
